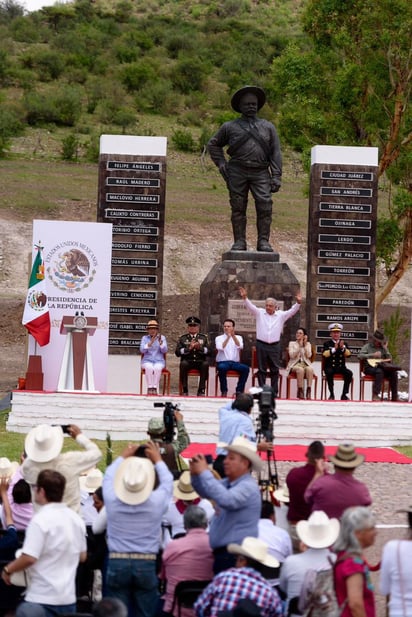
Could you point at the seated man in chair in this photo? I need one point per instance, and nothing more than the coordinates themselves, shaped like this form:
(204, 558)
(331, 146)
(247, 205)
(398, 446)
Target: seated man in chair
(192, 349)
(378, 363)
(229, 346)
(335, 352)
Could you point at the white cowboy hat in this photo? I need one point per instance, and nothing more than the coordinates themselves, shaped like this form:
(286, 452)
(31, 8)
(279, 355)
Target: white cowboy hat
(7, 469)
(346, 456)
(91, 481)
(256, 549)
(183, 489)
(134, 480)
(282, 494)
(246, 448)
(319, 531)
(43, 443)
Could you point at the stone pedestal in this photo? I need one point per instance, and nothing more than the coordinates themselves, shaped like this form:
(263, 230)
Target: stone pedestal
(263, 276)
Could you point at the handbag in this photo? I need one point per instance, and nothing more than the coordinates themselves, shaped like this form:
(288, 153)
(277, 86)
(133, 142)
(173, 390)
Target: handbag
(21, 578)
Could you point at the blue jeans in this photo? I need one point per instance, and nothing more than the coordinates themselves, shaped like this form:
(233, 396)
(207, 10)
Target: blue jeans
(32, 609)
(228, 365)
(134, 581)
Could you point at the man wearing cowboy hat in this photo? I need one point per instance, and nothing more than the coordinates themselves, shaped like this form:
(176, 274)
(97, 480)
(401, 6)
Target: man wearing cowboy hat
(335, 492)
(234, 420)
(188, 558)
(335, 352)
(237, 497)
(382, 368)
(43, 445)
(317, 535)
(192, 348)
(184, 496)
(255, 165)
(246, 580)
(134, 510)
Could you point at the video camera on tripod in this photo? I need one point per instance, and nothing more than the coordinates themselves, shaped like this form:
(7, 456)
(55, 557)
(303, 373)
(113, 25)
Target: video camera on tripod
(267, 413)
(169, 419)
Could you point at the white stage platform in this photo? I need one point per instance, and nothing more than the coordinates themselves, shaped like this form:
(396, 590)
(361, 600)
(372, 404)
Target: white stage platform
(125, 416)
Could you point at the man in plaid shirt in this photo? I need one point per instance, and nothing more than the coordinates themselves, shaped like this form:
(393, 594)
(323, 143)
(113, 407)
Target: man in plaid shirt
(243, 581)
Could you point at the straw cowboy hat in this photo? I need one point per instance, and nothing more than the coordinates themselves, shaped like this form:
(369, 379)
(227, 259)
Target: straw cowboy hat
(282, 494)
(134, 480)
(183, 489)
(43, 443)
(258, 92)
(7, 469)
(346, 456)
(91, 481)
(246, 448)
(319, 531)
(256, 549)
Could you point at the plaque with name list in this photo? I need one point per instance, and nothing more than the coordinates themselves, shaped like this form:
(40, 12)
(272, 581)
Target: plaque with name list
(131, 196)
(342, 221)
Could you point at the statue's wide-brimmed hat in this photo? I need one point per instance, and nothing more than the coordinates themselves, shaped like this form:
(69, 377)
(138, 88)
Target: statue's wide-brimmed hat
(258, 92)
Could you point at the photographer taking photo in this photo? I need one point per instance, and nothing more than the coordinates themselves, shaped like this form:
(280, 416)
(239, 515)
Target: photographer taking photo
(235, 421)
(162, 432)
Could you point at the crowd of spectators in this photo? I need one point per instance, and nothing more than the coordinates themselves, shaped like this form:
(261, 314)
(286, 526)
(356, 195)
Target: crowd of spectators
(140, 532)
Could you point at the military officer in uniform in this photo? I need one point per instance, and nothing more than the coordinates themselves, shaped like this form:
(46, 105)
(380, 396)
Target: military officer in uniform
(192, 349)
(335, 351)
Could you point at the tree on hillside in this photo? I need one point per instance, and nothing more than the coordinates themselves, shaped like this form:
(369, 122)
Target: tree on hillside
(352, 85)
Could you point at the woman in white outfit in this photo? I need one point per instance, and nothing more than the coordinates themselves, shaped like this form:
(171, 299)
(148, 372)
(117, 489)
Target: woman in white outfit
(300, 362)
(153, 347)
(395, 577)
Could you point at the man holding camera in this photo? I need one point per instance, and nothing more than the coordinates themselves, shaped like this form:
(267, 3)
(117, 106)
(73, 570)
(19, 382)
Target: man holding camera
(170, 448)
(235, 420)
(43, 446)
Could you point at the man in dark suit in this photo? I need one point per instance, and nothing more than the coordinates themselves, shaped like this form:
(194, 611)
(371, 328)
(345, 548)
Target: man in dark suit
(335, 351)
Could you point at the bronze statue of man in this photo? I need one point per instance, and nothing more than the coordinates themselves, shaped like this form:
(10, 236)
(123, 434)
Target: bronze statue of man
(255, 165)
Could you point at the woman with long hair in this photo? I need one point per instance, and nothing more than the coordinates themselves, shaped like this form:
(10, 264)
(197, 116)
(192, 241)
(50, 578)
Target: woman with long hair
(353, 586)
(300, 362)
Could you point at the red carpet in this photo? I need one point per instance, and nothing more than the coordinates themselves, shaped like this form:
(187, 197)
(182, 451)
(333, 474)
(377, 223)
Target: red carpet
(297, 453)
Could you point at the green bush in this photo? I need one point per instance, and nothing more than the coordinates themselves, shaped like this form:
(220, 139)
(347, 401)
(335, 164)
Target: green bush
(11, 125)
(189, 74)
(183, 141)
(70, 148)
(134, 76)
(158, 97)
(61, 106)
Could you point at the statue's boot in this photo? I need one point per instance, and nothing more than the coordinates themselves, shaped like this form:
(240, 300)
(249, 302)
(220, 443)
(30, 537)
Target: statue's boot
(239, 231)
(263, 222)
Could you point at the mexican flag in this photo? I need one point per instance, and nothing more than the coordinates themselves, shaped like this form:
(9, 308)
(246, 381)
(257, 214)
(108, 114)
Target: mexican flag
(36, 316)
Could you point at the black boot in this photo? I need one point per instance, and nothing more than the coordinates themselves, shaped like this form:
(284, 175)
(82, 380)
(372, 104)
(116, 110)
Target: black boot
(239, 231)
(263, 223)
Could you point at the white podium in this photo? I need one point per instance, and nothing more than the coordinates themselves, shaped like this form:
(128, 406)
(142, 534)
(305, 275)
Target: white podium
(76, 372)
